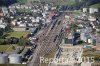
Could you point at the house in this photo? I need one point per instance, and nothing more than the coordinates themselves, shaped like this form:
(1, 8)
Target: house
(46, 7)
(13, 22)
(33, 29)
(19, 28)
(84, 37)
(91, 18)
(93, 10)
(5, 10)
(18, 7)
(84, 10)
(22, 25)
(53, 8)
(3, 25)
(92, 41)
(1, 12)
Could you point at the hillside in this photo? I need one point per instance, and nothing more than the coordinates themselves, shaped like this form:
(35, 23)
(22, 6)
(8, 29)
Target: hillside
(57, 2)
(66, 2)
(61, 2)
(95, 5)
(70, 3)
(22, 1)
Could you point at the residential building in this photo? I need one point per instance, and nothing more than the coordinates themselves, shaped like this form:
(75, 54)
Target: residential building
(93, 10)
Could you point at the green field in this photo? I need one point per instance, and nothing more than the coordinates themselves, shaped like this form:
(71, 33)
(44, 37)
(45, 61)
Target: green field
(7, 48)
(57, 2)
(17, 34)
(22, 1)
(4, 47)
(66, 2)
(96, 5)
(24, 10)
(11, 49)
(77, 12)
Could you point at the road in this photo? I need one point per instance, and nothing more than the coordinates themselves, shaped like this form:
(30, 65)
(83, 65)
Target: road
(46, 42)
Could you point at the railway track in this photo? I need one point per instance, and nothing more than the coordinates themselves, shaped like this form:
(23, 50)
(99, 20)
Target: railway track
(45, 43)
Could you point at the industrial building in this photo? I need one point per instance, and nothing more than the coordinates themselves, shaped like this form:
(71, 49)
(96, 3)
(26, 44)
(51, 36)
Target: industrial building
(87, 37)
(15, 58)
(10, 58)
(3, 58)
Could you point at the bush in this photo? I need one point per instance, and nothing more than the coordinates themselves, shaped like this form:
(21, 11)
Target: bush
(1, 41)
(22, 41)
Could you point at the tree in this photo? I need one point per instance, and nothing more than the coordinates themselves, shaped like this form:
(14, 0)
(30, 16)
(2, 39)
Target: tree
(22, 1)
(73, 27)
(7, 2)
(1, 31)
(1, 41)
(22, 41)
(7, 28)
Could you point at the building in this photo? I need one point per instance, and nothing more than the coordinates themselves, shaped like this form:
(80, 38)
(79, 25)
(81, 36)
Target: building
(91, 18)
(5, 10)
(84, 10)
(3, 58)
(53, 8)
(19, 29)
(88, 38)
(1, 12)
(46, 7)
(67, 54)
(97, 43)
(15, 58)
(69, 39)
(14, 22)
(2, 25)
(92, 41)
(84, 37)
(93, 10)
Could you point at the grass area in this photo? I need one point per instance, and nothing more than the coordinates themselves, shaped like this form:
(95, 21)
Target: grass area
(13, 65)
(57, 2)
(90, 52)
(12, 48)
(17, 34)
(24, 10)
(22, 1)
(77, 12)
(4, 47)
(7, 48)
(66, 2)
(96, 5)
